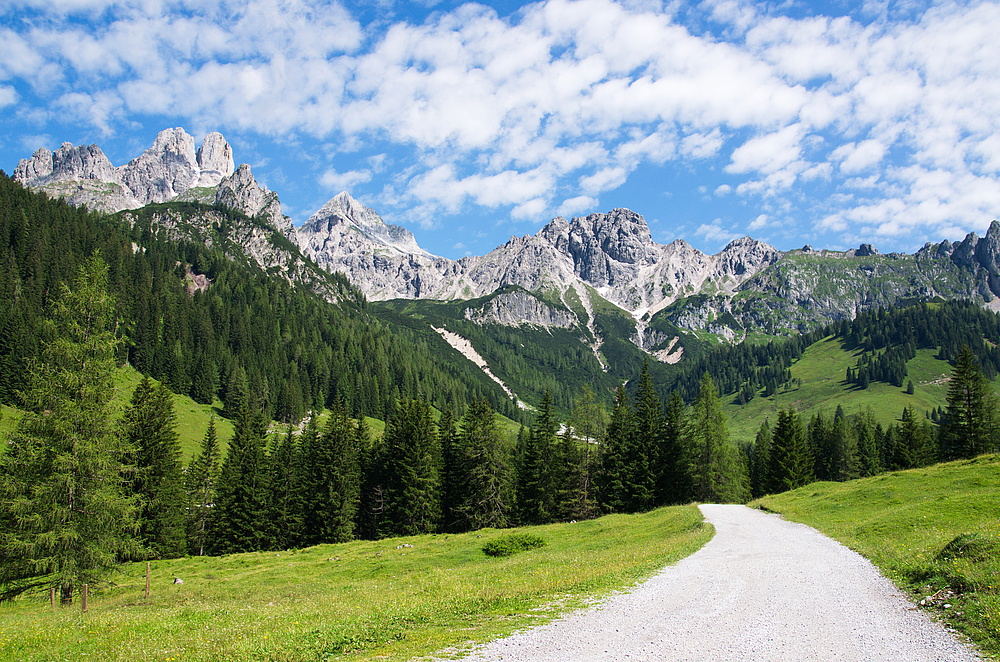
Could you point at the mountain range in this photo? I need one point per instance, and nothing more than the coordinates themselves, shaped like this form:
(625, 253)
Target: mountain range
(567, 275)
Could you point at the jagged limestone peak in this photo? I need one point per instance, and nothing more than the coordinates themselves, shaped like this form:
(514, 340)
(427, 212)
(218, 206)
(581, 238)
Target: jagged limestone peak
(343, 213)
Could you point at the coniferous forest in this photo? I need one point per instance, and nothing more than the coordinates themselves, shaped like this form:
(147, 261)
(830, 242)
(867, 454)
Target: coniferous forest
(83, 487)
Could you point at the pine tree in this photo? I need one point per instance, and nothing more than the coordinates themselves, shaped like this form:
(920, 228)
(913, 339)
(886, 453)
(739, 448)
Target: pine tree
(791, 459)
(67, 518)
(412, 471)
(674, 484)
(201, 480)
(149, 427)
(240, 505)
(613, 487)
(536, 481)
(846, 463)
(483, 465)
(970, 422)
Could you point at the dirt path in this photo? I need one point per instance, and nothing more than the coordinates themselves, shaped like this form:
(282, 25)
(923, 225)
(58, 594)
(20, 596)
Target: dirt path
(762, 590)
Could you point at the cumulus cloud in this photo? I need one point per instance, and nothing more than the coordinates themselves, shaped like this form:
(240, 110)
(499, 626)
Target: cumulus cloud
(893, 123)
(344, 181)
(715, 233)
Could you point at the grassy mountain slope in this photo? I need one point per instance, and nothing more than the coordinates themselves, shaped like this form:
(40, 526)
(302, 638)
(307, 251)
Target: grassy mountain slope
(818, 384)
(393, 599)
(934, 531)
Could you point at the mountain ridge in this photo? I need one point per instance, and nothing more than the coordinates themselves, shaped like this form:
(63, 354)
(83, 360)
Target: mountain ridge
(579, 265)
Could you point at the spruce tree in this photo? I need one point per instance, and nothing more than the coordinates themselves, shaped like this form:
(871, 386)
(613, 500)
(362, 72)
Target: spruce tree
(970, 422)
(673, 474)
(149, 427)
(240, 506)
(644, 459)
(761, 482)
(719, 474)
(791, 458)
(536, 481)
(412, 471)
(67, 517)
(201, 480)
(613, 479)
(333, 480)
(451, 475)
(483, 465)
(283, 521)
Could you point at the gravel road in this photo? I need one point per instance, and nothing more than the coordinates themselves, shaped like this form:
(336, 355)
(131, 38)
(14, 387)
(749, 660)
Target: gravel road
(763, 589)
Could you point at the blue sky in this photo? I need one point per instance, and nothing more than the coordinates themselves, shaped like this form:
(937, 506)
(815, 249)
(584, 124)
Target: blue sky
(795, 122)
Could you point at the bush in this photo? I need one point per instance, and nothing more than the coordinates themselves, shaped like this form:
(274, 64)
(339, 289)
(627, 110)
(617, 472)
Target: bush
(512, 543)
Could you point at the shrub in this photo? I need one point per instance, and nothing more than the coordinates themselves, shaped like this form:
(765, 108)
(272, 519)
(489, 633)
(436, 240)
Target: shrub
(512, 543)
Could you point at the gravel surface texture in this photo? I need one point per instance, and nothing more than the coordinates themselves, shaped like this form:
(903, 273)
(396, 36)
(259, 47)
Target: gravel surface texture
(763, 589)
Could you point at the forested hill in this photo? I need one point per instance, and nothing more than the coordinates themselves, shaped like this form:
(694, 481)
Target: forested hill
(883, 340)
(196, 316)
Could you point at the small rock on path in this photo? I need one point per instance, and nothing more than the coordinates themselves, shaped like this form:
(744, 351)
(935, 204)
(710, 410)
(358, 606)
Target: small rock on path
(762, 590)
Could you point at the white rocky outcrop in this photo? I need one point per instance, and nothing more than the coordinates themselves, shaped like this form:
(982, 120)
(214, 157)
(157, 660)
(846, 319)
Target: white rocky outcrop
(83, 175)
(240, 191)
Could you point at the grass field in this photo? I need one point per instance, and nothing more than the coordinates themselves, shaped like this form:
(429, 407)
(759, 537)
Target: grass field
(383, 600)
(934, 531)
(822, 369)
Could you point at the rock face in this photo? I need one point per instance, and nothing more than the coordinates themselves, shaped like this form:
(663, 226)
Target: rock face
(83, 175)
(240, 191)
(611, 253)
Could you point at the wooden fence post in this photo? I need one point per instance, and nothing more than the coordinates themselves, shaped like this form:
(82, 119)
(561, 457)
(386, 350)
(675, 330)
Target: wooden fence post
(83, 598)
(147, 579)
(52, 597)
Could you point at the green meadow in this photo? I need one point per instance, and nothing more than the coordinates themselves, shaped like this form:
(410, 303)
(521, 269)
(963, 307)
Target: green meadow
(818, 378)
(392, 599)
(934, 531)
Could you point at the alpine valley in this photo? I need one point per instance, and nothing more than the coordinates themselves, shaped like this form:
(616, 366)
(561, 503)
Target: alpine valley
(584, 300)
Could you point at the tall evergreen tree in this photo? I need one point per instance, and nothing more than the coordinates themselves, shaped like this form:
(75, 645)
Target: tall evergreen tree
(451, 474)
(719, 473)
(150, 428)
(536, 489)
(201, 481)
(483, 465)
(241, 501)
(333, 480)
(673, 474)
(761, 481)
(791, 458)
(970, 422)
(412, 471)
(613, 478)
(284, 503)
(66, 516)
(644, 460)
(914, 445)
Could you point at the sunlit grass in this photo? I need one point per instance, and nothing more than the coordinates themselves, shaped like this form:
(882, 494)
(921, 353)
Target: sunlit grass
(363, 600)
(934, 531)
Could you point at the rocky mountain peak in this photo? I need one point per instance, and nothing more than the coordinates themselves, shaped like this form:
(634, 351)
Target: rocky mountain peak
(84, 175)
(215, 160)
(746, 256)
(240, 191)
(342, 214)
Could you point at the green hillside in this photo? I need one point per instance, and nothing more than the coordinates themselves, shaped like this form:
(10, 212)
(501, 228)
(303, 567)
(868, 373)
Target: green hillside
(934, 531)
(818, 384)
(392, 599)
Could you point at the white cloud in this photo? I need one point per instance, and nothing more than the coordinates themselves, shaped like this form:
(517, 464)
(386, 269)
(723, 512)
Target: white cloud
(762, 221)
(344, 181)
(565, 100)
(8, 96)
(715, 233)
(582, 203)
(769, 153)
